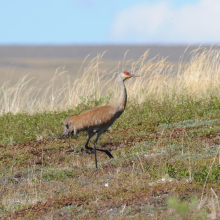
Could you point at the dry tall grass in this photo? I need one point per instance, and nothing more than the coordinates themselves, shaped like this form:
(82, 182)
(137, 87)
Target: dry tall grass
(199, 78)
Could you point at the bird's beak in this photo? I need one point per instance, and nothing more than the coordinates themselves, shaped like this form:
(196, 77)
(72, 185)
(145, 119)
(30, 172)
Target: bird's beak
(132, 75)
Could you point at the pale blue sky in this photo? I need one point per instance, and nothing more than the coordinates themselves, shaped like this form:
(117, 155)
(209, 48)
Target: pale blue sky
(109, 21)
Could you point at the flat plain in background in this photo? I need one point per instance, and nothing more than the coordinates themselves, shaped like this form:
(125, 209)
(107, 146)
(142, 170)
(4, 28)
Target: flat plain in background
(41, 62)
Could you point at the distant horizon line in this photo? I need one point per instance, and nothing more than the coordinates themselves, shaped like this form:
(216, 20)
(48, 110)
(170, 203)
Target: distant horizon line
(96, 45)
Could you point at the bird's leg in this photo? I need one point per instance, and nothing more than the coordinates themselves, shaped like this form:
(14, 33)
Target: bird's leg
(87, 142)
(94, 148)
(97, 149)
(106, 151)
(90, 148)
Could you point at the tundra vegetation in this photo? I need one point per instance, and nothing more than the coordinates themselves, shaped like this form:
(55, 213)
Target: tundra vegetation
(165, 145)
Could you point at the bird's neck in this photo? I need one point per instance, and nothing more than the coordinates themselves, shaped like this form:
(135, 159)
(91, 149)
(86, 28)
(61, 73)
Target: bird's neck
(123, 95)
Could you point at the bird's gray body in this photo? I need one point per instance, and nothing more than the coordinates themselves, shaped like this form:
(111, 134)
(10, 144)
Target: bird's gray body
(93, 121)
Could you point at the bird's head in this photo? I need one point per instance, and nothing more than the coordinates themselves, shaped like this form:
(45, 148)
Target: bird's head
(126, 75)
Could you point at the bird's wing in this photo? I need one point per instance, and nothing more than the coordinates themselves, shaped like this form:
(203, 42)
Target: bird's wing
(96, 117)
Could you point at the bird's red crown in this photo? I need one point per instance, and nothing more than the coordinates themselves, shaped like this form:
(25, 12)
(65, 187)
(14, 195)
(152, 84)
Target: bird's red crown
(126, 73)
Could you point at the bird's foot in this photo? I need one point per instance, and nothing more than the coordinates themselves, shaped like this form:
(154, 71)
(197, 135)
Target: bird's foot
(109, 154)
(79, 151)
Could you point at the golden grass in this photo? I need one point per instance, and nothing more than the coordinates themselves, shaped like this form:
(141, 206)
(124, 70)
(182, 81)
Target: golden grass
(198, 78)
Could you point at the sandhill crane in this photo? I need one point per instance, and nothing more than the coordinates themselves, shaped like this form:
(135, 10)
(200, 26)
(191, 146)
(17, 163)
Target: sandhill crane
(99, 119)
